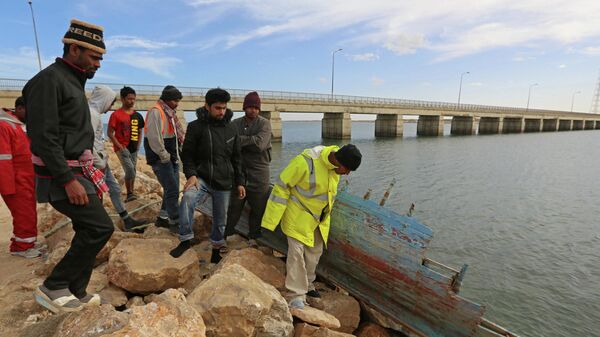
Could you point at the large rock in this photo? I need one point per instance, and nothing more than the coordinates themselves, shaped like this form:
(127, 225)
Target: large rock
(54, 257)
(372, 330)
(236, 303)
(144, 266)
(268, 268)
(344, 307)
(307, 330)
(92, 321)
(316, 317)
(115, 296)
(169, 315)
(114, 240)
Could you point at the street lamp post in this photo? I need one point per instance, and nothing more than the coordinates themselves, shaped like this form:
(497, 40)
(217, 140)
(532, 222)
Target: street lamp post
(333, 68)
(529, 95)
(37, 46)
(460, 88)
(573, 99)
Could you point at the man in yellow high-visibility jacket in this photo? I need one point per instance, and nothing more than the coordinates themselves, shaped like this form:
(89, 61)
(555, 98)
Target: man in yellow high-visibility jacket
(301, 200)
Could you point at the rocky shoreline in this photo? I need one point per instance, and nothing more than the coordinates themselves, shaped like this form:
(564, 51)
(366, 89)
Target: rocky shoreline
(149, 293)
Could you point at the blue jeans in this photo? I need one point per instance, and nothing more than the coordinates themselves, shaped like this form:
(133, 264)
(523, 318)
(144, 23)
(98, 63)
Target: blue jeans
(220, 203)
(168, 177)
(114, 190)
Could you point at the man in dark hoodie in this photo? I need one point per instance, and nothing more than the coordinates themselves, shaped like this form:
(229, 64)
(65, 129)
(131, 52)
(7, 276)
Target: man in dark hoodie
(62, 139)
(212, 163)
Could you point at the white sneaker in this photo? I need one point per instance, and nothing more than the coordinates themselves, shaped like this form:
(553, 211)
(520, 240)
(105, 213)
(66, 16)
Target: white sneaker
(30, 253)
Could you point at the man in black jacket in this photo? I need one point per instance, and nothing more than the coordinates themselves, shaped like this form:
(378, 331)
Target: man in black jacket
(62, 139)
(212, 163)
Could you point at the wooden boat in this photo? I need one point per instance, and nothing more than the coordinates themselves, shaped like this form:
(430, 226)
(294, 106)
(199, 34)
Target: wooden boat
(379, 257)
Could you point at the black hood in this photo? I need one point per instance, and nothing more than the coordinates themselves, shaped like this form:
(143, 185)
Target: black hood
(204, 117)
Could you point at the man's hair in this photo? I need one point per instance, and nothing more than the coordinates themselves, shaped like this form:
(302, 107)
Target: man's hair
(126, 91)
(67, 46)
(19, 102)
(216, 95)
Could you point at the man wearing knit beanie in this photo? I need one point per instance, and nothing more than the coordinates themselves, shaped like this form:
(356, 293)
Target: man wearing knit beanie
(302, 200)
(62, 140)
(255, 139)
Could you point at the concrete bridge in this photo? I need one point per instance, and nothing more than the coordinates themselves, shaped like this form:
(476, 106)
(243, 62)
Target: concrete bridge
(467, 119)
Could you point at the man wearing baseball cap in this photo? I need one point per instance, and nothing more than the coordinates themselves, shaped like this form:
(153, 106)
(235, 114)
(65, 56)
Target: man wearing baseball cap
(302, 200)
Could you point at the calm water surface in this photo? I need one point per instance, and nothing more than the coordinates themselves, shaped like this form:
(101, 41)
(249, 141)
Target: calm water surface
(521, 210)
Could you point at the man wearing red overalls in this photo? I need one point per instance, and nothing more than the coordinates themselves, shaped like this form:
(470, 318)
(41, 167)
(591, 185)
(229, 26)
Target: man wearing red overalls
(17, 180)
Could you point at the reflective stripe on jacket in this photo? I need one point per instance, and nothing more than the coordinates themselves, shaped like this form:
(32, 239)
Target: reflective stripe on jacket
(303, 196)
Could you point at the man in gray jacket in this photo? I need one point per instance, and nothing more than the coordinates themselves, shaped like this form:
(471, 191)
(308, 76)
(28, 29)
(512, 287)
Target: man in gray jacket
(255, 139)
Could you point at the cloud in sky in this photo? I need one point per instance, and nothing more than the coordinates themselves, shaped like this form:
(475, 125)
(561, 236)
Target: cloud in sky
(562, 66)
(451, 29)
(146, 60)
(21, 63)
(377, 81)
(364, 57)
(126, 41)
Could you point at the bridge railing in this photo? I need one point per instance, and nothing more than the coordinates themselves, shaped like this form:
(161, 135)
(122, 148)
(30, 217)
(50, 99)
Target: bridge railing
(17, 84)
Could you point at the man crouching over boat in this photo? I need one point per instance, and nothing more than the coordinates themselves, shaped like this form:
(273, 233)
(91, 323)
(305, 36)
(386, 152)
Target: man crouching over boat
(302, 199)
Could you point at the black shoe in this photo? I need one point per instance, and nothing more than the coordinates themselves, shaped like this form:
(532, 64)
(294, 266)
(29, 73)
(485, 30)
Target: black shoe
(131, 197)
(162, 222)
(215, 257)
(313, 293)
(133, 225)
(181, 248)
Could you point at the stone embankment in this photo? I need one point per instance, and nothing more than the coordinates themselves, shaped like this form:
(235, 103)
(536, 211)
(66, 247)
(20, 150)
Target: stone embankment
(146, 292)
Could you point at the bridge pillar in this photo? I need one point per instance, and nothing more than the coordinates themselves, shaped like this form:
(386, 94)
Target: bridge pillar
(430, 126)
(273, 117)
(577, 124)
(589, 125)
(490, 125)
(597, 125)
(389, 125)
(550, 124)
(463, 125)
(565, 125)
(513, 124)
(532, 125)
(336, 125)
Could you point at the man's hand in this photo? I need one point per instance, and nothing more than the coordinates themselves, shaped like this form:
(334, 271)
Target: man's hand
(192, 181)
(241, 192)
(76, 193)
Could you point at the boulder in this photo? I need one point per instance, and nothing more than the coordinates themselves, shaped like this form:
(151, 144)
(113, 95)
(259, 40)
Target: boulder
(372, 330)
(143, 266)
(344, 307)
(115, 296)
(135, 301)
(307, 330)
(98, 281)
(316, 317)
(114, 240)
(92, 321)
(235, 302)
(169, 315)
(268, 268)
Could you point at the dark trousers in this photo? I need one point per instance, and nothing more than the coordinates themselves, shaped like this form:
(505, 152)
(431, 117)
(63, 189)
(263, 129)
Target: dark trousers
(93, 227)
(168, 177)
(257, 201)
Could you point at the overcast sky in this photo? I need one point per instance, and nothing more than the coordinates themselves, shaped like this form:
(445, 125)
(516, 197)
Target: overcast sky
(391, 48)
